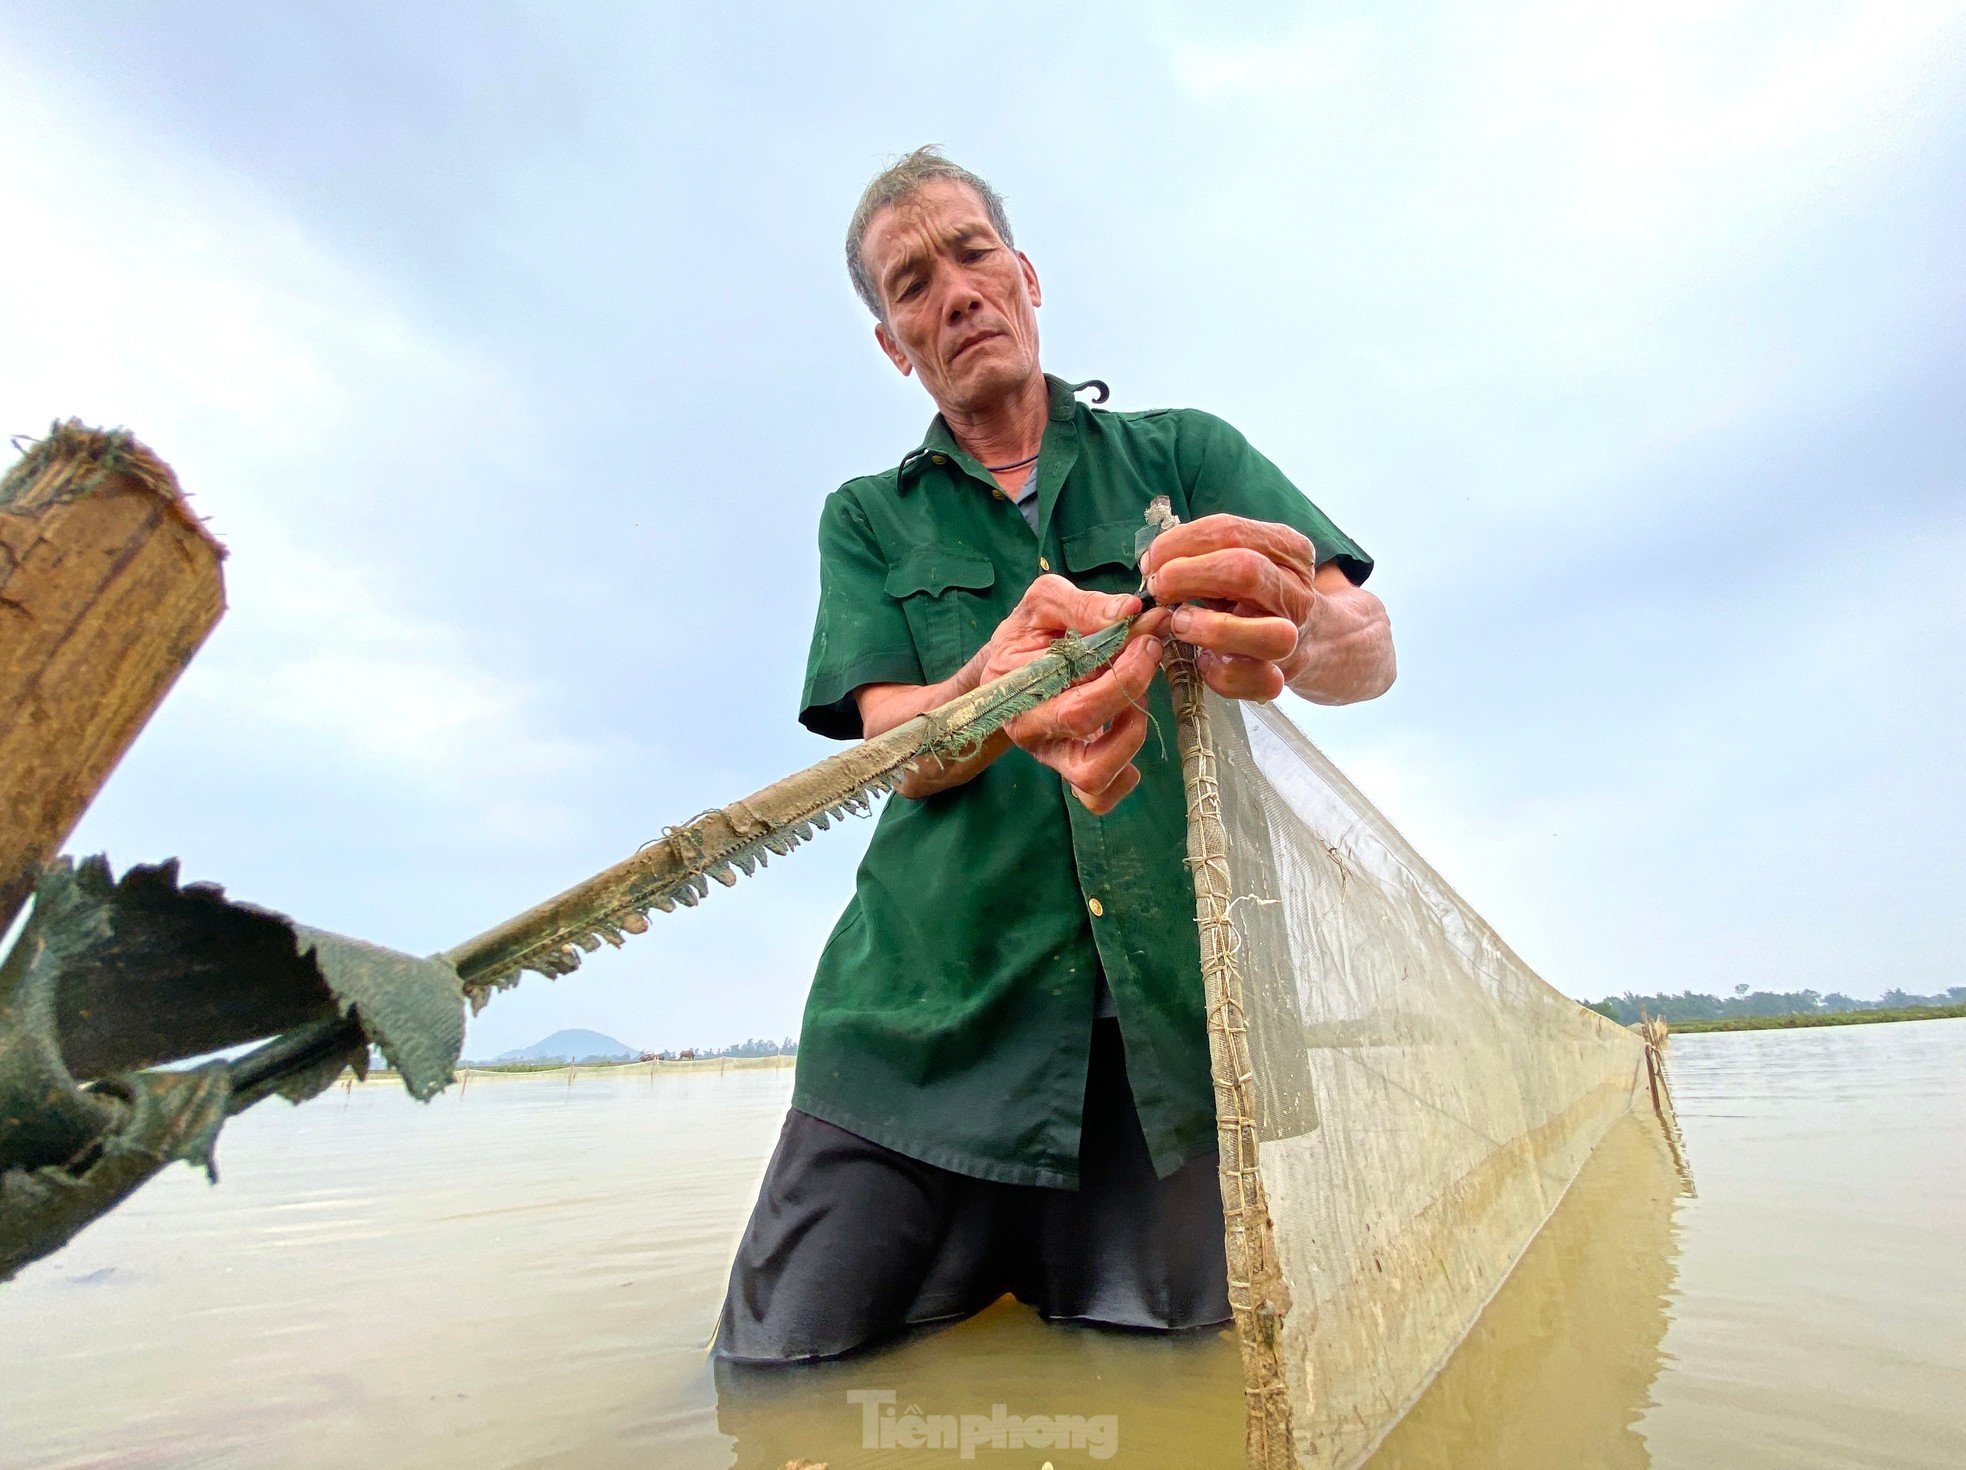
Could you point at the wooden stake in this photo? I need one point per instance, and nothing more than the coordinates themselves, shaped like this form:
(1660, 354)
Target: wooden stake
(108, 585)
(1259, 1297)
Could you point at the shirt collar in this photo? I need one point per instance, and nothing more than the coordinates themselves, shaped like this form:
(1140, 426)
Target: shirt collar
(939, 446)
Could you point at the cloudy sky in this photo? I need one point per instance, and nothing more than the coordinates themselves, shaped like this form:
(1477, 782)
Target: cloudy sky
(509, 350)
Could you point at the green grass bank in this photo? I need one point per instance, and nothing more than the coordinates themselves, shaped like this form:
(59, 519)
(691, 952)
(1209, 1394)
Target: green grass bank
(1819, 1018)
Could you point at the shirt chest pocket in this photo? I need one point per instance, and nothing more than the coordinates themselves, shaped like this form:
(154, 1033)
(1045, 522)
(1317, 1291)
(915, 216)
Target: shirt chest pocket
(946, 594)
(1102, 557)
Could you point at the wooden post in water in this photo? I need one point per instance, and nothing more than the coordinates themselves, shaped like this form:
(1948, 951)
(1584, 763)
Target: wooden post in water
(108, 585)
(1259, 1297)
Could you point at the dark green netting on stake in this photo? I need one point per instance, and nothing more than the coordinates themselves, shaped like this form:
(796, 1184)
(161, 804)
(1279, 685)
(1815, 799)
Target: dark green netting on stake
(110, 978)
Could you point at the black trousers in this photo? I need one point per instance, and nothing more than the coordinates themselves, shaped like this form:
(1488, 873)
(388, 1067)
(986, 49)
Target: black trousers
(850, 1242)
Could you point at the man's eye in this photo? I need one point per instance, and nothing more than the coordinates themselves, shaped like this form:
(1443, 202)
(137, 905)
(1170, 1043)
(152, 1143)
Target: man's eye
(913, 288)
(975, 253)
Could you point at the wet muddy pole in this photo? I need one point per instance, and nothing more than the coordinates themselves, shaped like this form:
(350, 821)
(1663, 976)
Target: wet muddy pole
(108, 585)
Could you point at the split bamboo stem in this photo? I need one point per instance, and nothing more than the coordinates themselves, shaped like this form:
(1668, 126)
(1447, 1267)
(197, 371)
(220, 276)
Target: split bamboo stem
(108, 585)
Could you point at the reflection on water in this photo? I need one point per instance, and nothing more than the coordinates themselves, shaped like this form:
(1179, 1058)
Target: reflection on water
(1561, 1362)
(1011, 1389)
(526, 1275)
(1560, 1366)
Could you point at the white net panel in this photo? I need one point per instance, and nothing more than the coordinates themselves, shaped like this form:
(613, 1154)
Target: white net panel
(1422, 1099)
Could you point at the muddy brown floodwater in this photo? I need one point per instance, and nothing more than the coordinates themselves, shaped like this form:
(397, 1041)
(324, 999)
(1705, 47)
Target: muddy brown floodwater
(526, 1273)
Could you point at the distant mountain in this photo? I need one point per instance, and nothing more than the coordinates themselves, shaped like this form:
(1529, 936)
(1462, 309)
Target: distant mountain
(572, 1046)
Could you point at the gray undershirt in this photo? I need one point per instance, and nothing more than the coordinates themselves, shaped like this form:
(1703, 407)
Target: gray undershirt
(1026, 497)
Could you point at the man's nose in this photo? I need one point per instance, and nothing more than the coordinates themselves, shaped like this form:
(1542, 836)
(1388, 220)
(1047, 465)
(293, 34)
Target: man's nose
(961, 303)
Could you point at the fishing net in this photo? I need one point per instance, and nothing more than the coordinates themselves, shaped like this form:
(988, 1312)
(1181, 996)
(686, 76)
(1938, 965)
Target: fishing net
(1402, 1101)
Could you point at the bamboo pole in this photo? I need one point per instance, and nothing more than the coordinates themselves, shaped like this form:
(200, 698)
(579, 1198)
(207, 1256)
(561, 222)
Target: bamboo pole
(1258, 1296)
(551, 937)
(1652, 1032)
(108, 585)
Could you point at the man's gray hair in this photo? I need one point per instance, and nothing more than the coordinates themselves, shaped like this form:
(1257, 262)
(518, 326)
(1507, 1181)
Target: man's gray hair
(902, 180)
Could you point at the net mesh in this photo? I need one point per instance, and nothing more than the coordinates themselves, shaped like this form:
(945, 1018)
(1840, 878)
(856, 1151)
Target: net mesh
(1419, 1099)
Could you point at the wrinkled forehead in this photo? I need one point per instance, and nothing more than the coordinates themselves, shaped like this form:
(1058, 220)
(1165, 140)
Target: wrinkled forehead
(940, 214)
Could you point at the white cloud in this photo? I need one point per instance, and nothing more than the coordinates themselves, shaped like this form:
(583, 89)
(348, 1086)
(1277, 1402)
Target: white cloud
(136, 292)
(1661, 119)
(380, 694)
(176, 303)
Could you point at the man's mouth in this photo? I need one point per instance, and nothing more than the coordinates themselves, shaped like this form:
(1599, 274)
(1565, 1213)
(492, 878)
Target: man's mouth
(968, 343)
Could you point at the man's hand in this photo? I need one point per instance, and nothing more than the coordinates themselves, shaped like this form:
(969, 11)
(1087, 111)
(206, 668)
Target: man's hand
(1263, 615)
(1090, 733)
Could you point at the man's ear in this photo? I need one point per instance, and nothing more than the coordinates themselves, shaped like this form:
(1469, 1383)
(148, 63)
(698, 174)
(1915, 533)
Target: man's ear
(893, 349)
(1031, 279)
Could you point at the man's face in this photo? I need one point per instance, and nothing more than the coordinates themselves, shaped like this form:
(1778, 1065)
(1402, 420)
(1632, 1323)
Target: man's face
(960, 304)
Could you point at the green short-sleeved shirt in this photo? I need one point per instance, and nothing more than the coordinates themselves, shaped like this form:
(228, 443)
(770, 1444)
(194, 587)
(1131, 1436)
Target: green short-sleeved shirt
(951, 1016)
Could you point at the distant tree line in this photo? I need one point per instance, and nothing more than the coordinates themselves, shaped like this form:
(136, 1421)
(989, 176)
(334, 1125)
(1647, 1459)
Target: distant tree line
(1690, 1006)
(756, 1046)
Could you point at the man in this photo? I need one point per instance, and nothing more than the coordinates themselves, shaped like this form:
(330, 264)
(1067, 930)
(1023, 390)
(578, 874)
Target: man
(1003, 1079)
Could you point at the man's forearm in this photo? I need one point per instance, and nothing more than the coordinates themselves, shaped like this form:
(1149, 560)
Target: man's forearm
(1346, 652)
(884, 706)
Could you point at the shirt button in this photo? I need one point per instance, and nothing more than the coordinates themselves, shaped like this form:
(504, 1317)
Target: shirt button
(1096, 906)
(1043, 565)
(938, 459)
(998, 493)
